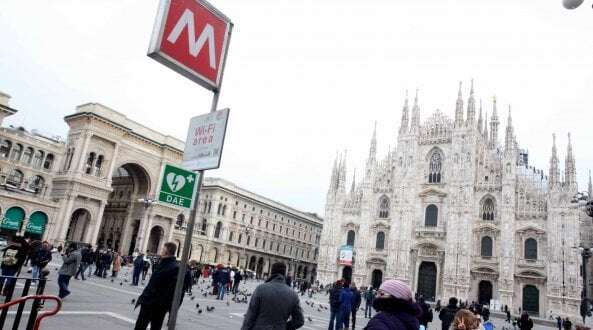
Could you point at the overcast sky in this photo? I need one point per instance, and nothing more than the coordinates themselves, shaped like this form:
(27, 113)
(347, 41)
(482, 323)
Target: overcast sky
(306, 78)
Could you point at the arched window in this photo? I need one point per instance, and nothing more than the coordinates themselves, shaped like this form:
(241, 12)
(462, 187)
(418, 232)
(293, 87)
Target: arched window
(204, 225)
(487, 209)
(69, 159)
(17, 151)
(384, 207)
(223, 210)
(350, 238)
(38, 159)
(486, 247)
(230, 236)
(219, 211)
(435, 167)
(531, 249)
(180, 221)
(217, 229)
(431, 216)
(15, 178)
(98, 164)
(5, 147)
(90, 162)
(27, 156)
(380, 243)
(36, 183)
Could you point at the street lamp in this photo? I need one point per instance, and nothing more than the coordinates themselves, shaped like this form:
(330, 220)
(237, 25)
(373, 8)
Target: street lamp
(247, 229)
(146, 203)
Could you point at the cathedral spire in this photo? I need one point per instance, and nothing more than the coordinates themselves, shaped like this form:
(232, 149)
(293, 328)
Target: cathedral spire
(353, 182)
(590, 186)
(486, 139)
(333, 182)
(569, 166)
(494, 125)
(554, 170)
(405, 117)
(459, 109)
(373, 147)
(342, 173)
(415, 115)
(509, 139)
(480, 118)
(471, 107)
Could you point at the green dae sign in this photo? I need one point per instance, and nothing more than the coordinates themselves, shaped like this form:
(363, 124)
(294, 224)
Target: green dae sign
(177, 186)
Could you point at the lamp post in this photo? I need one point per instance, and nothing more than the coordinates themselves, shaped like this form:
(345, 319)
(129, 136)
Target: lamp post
(146, 203)
(247, 229)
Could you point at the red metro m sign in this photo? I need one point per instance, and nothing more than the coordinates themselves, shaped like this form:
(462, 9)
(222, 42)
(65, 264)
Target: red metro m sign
(191, 37)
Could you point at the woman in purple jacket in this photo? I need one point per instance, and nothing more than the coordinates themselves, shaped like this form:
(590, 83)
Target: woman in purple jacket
(397, 310)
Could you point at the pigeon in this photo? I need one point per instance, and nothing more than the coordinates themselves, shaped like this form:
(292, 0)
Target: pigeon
(309, 318)
(111, 280)
(199, 311)
(133, 301)
(126, 280)
(192, 298)
(121, 283)
(205, 294)
(197, 305)
(319, 310)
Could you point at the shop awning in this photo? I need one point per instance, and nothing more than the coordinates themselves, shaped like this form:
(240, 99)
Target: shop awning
(36, 224)
(13, 218)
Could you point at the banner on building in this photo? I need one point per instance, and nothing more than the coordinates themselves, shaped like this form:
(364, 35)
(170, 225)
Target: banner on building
(345, 257)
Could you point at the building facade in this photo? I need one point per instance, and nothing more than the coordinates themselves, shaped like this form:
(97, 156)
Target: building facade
(454, 212)
(240, 228)
(98, 187)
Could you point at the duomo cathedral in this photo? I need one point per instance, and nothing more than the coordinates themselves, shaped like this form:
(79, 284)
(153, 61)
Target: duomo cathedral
(454, 210)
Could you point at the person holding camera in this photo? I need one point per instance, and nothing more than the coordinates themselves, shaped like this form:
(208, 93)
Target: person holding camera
(71, 262)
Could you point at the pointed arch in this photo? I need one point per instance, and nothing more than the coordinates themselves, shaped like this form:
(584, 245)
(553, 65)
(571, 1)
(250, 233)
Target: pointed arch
(435, 165)
(384, 205)
(488, 208)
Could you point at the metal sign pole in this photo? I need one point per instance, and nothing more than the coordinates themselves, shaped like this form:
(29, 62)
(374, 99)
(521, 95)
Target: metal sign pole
(192, 217)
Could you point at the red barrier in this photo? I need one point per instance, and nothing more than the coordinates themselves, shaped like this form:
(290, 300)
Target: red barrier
(40, 316)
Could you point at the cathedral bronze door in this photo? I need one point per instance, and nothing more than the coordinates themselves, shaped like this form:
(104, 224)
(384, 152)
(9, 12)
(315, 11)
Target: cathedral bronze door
(531, 299)
(377, 278)
(427, 280)
(484, 292)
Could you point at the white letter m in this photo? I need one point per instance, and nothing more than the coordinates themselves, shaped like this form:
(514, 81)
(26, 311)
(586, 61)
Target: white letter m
(195, 45)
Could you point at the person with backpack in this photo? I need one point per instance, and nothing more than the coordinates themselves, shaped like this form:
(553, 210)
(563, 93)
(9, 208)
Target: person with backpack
(525, 322)
(426, 316)
(71, 262)
(40, 259)
(447, 314)
(369, 296)
(9, 267)
(346, 302)
(334, 305)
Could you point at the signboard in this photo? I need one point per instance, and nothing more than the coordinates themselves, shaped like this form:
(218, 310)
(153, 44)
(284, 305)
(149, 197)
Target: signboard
(191, 37)
(345, 257)
(205, 139)
(10, 223)
(178, 187)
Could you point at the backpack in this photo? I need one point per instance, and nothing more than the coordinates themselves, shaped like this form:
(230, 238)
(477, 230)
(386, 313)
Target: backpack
(488, 325)
(9, 258)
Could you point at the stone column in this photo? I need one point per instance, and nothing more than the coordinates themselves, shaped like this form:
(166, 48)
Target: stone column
(126, 231)
(112, 163)
(141, 229)
(92, 235)
(81, 159)
(146, 236)
(171, 227)
(66, 216)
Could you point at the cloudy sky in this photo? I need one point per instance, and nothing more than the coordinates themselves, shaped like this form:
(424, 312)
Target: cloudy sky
(306, 78)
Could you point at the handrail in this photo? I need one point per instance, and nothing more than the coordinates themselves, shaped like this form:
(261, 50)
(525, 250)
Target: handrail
(40, 316)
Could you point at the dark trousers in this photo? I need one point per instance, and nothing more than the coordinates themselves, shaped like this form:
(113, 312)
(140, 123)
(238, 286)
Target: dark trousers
(63, 282)
(144, 272)
(368, 308)
(136, 276)
(236, 287)
(152, 316)
(81, 270)
(335, 316)
(10, 282)
(354, 318)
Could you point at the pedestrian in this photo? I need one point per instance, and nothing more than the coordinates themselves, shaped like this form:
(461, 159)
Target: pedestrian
(137, 268)
(145, 267)
(559, 322)
(85, 253)
(236, 281)
(508, 312)
(437, 306)
(567, 324)
(447, 313)
(356, 301)
(346, 299)
(273, 304)
(465, 320)
(157, 297)
(369, 296)
(116, 265)
(71, 261)
(105, 263)
(525, 322)
(97, 256)
(395, 306)
(426, 316)
(24, 251)
(220, 279)
(39, 260)
(9, 267)
(334, 305)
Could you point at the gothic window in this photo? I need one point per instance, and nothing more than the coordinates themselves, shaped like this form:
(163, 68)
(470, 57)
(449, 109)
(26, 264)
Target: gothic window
(5, 147)
(530, 249)
(350, 238)
(431, 216)
(28, 155)
(89, 163)
(380, 243)
(17, 151)
(487, 209)
(486, 247)
(217, 229)
(384, 207)
(435, 167)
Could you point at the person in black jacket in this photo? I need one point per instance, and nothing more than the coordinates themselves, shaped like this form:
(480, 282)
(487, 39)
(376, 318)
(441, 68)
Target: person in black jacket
(157, 297)
(40, 259)
(356, 300)
(447, 314)
(426, 316)
(87, 259)
(138, 265)
(334, 304)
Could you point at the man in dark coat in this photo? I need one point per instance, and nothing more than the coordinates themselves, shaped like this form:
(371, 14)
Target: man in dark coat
(273, 303)
(356, 300)
(426, 315)
(236, 281)
(157, 297)
(334, 304)
(447, 314)
(40, 259)
(138, 265)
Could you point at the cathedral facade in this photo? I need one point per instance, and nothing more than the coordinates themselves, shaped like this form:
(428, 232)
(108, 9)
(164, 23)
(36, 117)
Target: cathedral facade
(454, 211)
